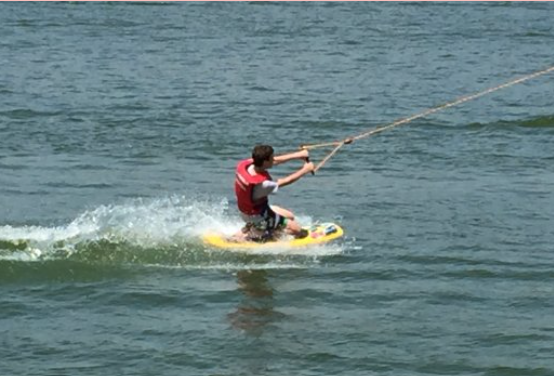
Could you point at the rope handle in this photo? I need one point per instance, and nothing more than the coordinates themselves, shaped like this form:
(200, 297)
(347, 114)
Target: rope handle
(307, 159)
(346, 141)
(337, 144)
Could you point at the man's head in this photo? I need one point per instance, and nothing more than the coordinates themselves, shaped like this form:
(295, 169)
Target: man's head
(261, 154)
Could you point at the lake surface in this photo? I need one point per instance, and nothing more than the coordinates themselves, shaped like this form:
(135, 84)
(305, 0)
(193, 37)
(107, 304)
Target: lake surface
(121, 124)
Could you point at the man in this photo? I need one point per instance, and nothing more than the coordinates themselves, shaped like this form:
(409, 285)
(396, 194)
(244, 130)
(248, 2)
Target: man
(253, 185)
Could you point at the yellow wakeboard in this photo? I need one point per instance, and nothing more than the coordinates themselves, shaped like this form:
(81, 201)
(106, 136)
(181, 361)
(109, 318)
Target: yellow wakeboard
(319, 233)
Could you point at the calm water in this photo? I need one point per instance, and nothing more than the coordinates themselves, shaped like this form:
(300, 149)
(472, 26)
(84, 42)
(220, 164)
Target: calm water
(120, 127)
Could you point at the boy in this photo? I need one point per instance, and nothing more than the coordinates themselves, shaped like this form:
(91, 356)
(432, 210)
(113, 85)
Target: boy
(253, 185)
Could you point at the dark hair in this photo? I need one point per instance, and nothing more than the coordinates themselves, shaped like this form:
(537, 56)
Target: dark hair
(261, 153)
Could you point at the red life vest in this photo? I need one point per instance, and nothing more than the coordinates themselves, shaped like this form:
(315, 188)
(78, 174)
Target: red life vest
(244, 189)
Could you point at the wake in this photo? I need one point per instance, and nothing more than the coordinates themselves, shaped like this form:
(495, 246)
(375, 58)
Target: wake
(162, 231)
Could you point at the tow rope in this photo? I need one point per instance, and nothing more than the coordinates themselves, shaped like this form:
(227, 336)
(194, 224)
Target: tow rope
(339, 144)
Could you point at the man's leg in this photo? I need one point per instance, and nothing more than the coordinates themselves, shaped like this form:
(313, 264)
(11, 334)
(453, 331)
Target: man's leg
(292, 226)
(282, 212)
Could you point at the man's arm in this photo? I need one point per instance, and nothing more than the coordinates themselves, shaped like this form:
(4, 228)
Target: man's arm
(301, 154)
(307, 168)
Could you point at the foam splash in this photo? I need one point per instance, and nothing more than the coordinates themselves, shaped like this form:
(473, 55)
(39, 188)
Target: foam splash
(162, 231)
(158, 222)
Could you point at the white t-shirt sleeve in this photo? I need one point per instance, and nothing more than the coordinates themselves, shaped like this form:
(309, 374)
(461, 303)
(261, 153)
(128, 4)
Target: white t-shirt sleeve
(265, 189)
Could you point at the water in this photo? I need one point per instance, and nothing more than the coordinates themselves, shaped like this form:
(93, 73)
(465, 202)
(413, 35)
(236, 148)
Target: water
(121, 124)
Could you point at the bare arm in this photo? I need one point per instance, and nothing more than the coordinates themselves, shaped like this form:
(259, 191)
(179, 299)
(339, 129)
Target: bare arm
(307, 168)
(302, 154)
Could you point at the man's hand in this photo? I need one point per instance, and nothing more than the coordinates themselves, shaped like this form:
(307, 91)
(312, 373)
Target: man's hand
(309, 167)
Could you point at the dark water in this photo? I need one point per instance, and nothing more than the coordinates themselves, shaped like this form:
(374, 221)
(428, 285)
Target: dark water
(120, 126)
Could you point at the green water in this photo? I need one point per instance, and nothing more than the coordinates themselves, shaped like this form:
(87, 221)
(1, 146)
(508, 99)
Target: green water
(121, 124)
